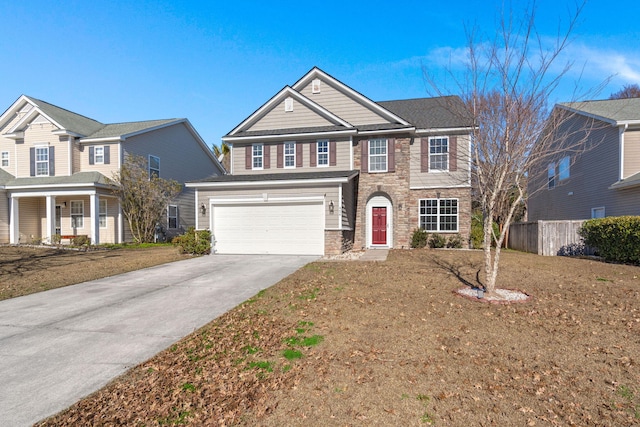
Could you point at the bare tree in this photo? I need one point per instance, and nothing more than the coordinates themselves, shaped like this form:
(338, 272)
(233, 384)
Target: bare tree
(627, 91)
(143, 196)
(506, 87)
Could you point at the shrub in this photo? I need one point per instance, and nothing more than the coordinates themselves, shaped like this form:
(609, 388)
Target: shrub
(194, 242)
(419, 238)
(81, 240)
(477, 231)
(56, 239)
(437, 241)
(616, 238)
(455, 242)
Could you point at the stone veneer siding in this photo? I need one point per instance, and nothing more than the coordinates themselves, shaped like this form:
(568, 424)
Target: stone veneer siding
(337, 241)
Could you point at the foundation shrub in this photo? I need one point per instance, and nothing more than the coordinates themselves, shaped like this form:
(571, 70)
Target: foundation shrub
(617, 239)
(194, 242)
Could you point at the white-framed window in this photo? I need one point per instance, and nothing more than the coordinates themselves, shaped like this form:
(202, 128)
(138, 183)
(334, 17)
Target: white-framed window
(551, 176)
(102, 213)
(77, 214)
(154, 166)
(98, 155)
(563, 168)
(5, 159)
(378, 155)
(289, 154)
(315, 86)
(257, 152)
(439, 153)
(597, 212)
(172, 216)
(288, 104)
(322, 151)
(440, 215)
(42, 161)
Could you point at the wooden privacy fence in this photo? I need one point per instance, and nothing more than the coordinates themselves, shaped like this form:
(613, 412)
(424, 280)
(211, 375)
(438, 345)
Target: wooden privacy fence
(548, 238)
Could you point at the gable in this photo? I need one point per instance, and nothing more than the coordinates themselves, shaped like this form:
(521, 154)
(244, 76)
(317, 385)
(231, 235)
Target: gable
(279, 118)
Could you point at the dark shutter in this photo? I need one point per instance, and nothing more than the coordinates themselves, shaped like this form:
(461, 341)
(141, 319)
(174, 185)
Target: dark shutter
(332, 153)
(453, 153)
(364, 156)
(107, 155)
(424, 155)
(32, 161)
(247, 157)
(92, 160)
(299, 155)
(280, 155)
(266, 156)
(312, 154)
(52, 161)
(391, 155)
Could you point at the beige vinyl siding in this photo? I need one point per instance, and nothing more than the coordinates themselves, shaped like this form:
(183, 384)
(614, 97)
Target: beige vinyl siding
(343, 159)
(631, 153)
(186, 213)
(342, 105)
(329, 193)
(106, 169)
(4, 217)
(41, 134)
(348, 205)
(31, 210)
(301, 116)
(437, 179)
(182, 158)
(587, 187)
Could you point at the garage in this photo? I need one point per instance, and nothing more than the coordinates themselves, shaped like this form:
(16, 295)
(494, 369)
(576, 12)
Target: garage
(294, 226)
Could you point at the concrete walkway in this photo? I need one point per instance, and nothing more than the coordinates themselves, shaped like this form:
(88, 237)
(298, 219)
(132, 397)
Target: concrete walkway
(61, 345)
(374, 255)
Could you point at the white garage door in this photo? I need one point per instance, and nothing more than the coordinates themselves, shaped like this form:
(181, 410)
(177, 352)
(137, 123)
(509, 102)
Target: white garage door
(269, 228)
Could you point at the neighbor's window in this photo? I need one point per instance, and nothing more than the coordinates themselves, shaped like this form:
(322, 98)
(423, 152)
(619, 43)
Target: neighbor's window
(597, 212)
(551, 176)
(256, 156)
(154, 166)
(439, 215)
(378, 155)
(42, 161)
(563, 168)
(439, 153)
(172, 216)
(5, 159)
(323, 153)
(102, 213)
(289, 154)
(98, 155)
(77, 214)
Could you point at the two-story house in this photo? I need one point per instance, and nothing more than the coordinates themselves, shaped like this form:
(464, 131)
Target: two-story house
(320, 168)
(602, 181)
(54, 164)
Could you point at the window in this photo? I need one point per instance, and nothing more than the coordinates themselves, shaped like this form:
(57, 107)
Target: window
(102, 213)
(154, 166)
(5, 159)
(378, 155)
(42, 161)
(289, 154)
(563, 168)
(323, 153)
(256, 156)
(288, 104)
(439, 215)
(315, 86)
(77, 214)
(597, 212)
(439, 154)
(99, 156)
(172, 216)
(551, 176)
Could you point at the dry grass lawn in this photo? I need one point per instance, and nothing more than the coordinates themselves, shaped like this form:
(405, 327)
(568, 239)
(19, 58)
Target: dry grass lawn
(380, 344)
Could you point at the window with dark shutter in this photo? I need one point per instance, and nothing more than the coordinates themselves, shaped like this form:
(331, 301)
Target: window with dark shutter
(364, 156)
(332, 153)
(312, 154)
(391, 155)
(280, 156)
(453, 153)
(92, 151)
(248, 157)
(266, 156)
(424, 155)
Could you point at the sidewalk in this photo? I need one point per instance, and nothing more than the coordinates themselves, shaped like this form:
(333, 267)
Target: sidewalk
(374, 255)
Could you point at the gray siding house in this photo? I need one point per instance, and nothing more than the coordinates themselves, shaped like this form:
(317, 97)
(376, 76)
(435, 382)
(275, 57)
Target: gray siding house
(602, 181)
(320, 168)
(54, 164)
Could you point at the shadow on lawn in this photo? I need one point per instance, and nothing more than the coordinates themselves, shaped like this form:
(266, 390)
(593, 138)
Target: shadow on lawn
(456, 269)
(18, 261)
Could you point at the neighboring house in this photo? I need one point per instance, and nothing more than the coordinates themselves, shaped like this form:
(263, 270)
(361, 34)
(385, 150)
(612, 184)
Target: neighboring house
(54, 164)
(320, 168)
(602, 181)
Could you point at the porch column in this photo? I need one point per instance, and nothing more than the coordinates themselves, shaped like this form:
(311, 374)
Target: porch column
(51, 219)
(94, 203)
(14, 220)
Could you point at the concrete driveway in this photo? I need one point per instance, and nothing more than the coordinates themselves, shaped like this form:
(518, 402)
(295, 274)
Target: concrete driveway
(61, 345)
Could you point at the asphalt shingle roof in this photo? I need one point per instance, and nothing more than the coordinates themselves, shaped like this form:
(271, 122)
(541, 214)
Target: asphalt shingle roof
(71, 121)
(618, 110)
(431, 113)
(5, 177)
(119, 129)
(77, 178)
(281, 176)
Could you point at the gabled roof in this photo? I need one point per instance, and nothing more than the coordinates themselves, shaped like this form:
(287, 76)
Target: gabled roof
(5, 177)
(614, 111)
(66, 119)
(120, 130)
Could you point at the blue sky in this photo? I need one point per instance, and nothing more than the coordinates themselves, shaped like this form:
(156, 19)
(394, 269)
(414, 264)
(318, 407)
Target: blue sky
(217, 62)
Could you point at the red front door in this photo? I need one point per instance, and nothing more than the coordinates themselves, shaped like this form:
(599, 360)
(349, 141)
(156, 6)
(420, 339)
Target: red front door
(379, 224)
